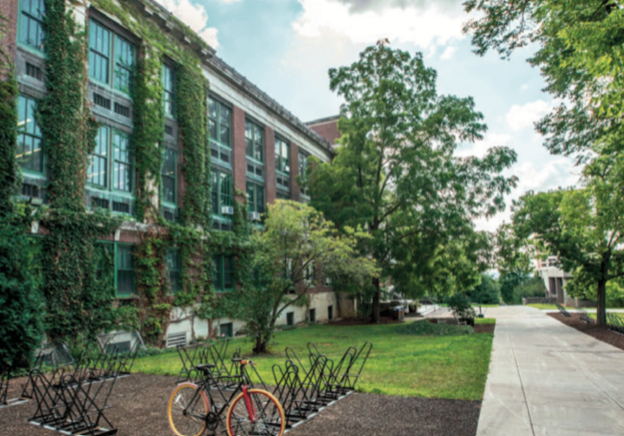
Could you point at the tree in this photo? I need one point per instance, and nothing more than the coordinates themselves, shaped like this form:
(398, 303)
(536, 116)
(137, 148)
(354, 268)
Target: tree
(513, 261)
(289, 251)
(579, 55)
(486, 292)
(396, 175)
(583, 228)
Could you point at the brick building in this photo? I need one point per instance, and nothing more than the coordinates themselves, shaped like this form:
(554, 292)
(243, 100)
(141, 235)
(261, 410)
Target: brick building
(256, 145)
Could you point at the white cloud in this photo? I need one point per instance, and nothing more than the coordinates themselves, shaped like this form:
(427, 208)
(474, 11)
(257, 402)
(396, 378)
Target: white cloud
(520, 117)
(210, 36)
(229, 1)
(480, 148)
(194, 16)
(448, 53)
(423, 26)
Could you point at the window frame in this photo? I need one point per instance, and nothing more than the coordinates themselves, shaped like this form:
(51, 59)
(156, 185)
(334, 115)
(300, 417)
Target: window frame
(176, 170)
(21, 24)
(255, 202)
(177, 262)
(302, 172)
(171, 92)
(112, 58)
(279, 166)
(111, 162)
(220, 106)
(255, 145)
(220, 177)
(133, 294)
(38, 174)
(219, 279)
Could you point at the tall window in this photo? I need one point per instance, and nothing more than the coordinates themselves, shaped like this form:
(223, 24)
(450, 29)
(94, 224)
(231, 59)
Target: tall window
(30, 140)
(169, 176)
(111, 143)
(220, 123)
(125, 271)
(111, 58)
(174, 266)
(168, 80)
(255, 197)
(303, 168)
(224, 270)
(254, 141)
(282, 156)
(31, 23)
(221, 191)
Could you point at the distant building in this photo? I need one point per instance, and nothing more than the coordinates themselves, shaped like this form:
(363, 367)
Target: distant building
(554, 280)
(327, 128)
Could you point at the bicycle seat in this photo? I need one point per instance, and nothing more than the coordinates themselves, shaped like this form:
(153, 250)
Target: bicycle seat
(205, 367)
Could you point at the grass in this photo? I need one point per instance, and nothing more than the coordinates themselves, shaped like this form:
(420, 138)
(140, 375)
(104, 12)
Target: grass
(618, 314)
(485, 320)
(554, 307)
(454, 367)
(429, 329)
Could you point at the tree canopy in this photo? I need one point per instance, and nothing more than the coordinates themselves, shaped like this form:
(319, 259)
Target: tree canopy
(397, 176)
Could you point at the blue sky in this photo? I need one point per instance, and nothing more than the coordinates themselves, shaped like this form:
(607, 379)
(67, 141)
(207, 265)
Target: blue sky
(286, 47)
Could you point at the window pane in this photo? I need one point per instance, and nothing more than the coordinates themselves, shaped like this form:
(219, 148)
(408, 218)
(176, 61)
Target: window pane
(226, 190)
(260, 199)
(31, 23)
(218, 279)
(125, 271)
(169, 176)
(99, 45)
(169, 189)
(215, 193)
(228, 272)
(29, 153)
(251, 197)
(97, 172)
(122, 171)
(124, 55)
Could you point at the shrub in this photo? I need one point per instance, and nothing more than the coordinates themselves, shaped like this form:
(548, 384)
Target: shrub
(460, 305)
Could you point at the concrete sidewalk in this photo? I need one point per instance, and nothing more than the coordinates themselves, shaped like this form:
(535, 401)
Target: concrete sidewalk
(549, 379)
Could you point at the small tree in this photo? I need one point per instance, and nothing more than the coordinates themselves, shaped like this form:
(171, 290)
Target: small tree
(460, 305)
(296, 240)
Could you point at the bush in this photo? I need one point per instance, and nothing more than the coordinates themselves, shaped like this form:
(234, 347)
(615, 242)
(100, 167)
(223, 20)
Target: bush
(460, 305)
(425, 328)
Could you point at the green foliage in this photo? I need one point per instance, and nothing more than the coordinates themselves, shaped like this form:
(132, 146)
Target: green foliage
(296, 240)
(487, 292)
(529, 287)
(20, 281)
(397, 176)
(192, 113)
(8, 142)
(426, 328)
(149, 125)
(461, 307)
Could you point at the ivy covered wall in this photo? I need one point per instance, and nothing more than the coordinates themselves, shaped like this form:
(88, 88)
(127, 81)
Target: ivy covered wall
(76, 285)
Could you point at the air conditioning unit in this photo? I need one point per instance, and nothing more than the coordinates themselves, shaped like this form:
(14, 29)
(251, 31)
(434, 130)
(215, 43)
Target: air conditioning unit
(254, 216)
(227, 210)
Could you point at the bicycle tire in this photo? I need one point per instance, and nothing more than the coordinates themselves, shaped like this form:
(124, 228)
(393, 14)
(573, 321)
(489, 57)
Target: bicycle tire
(270, 419)
(185, 424)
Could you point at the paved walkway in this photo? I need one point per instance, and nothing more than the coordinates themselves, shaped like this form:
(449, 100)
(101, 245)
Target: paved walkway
(549, 379)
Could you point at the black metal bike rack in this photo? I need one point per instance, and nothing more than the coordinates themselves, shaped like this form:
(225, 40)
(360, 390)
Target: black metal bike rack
(6, 374)
(208, 353)
(72, 400)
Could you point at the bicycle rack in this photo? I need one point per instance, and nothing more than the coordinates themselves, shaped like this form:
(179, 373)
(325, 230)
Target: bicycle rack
(6, 373)
(125, 345)
(71, 399)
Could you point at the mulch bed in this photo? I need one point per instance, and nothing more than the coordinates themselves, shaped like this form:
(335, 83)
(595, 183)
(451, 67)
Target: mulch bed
(364, 321)
(139, 409)
(484, 328)
(600, 333)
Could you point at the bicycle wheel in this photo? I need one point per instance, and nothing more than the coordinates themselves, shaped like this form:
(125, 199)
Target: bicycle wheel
(187, 410)
(268, 419)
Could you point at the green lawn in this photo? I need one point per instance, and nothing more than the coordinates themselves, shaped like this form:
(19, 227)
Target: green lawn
(554, 307)
(429, 366)
(593, 314)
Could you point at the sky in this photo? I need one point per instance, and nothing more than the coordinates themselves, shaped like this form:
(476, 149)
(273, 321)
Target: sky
(286, 47)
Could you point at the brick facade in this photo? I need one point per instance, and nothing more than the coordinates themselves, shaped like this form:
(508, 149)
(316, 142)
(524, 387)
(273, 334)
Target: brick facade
(8, 41)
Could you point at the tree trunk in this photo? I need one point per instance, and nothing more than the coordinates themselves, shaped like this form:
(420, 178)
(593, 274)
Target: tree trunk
(376, 297)
(601, 300)
(261, 345)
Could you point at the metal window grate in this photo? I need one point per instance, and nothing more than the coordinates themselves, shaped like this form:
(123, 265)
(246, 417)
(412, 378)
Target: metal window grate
(101, 101)
(176, 339)
(169, 215)
(30, 190)
(121, 207)
(101, 203)
(122, 110)
(169, 130)
(34, 72)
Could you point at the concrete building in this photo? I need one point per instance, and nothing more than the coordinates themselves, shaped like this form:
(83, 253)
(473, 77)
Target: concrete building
(554, 279)
(257, 146)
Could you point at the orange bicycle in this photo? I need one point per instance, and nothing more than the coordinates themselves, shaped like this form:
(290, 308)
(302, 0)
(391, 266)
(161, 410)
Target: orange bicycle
(194, 408)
